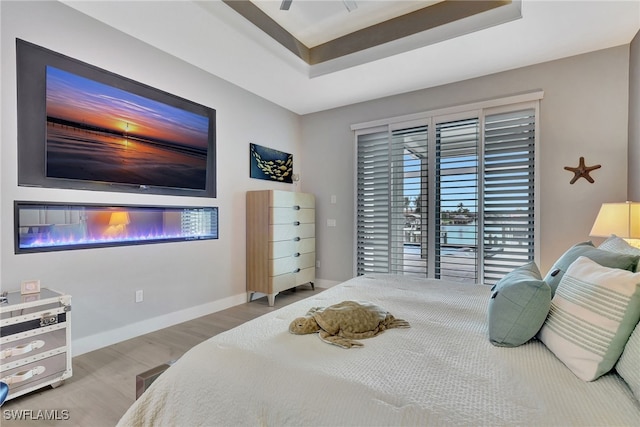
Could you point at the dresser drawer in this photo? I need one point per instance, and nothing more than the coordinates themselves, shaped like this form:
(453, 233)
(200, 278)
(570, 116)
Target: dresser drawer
(290, 216)
(288, 232)
(32, 344)
(291, 264)
(290, 199)
(41, 372)
(286, 248)
(305, 275)
(290, 280)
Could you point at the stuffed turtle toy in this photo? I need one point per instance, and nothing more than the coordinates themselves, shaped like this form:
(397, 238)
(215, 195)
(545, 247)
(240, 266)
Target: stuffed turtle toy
(341, 324)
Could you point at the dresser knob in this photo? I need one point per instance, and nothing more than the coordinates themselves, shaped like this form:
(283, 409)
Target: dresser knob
(296, 208)
(297, 270)
(296, 223)
(296, 239)
(296, 255)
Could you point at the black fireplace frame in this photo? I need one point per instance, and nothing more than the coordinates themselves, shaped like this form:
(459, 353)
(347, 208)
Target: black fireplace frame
(24, 241)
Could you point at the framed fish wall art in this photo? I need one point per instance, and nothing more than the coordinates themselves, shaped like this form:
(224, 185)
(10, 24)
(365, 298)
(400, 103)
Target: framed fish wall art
(269, 164)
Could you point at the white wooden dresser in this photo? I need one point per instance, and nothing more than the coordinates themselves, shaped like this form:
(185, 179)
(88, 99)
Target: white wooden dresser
(281, 241)
(35, 342)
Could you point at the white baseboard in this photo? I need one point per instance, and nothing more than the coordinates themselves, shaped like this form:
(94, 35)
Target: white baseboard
(104, 339)
(114, 336)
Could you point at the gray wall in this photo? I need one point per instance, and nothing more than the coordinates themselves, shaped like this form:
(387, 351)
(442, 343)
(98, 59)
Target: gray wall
(634, 121)
(583, 113)
(179, 280)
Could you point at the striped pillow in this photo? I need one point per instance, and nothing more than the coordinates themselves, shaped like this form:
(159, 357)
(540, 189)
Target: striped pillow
(592, 315)
(618, 245)
(629, 364)
(602, 257)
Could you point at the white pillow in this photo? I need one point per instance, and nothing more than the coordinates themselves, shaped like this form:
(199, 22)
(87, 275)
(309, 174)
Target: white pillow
(619, 246)
(592, 314)
(629, 364)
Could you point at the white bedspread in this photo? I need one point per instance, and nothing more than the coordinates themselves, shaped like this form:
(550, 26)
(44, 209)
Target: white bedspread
(441, 371)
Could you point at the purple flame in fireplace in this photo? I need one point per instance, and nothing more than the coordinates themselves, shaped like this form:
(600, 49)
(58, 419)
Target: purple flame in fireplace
(68, 227)
(71, 241)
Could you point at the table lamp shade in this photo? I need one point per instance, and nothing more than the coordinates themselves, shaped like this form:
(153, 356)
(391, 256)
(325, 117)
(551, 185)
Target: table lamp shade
(119, 218)
(621, 219)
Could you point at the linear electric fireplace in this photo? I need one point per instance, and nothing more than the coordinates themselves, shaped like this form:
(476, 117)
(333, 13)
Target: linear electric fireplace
(42, 227)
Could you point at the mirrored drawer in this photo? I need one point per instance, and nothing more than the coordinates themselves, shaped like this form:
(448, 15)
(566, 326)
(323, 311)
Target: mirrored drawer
(35, 373)
(32, 345)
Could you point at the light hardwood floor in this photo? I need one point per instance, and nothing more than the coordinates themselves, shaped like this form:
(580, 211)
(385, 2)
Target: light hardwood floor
(103, 383)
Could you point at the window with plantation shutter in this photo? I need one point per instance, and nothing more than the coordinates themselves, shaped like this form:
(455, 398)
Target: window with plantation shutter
(409, 208)
(448, 196)
(509, 154)
(456, 195)
(373, 203)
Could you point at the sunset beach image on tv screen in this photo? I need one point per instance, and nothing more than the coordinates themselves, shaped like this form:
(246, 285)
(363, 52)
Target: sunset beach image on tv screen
(96, 132)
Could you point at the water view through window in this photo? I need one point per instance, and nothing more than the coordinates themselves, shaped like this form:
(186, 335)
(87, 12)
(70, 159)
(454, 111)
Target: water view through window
(448, 198)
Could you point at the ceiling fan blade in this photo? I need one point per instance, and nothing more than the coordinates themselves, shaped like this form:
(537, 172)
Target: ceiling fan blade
(285, 5)
(350, 5)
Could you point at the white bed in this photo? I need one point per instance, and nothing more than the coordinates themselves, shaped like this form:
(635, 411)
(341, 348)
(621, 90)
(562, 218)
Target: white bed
(441, 371)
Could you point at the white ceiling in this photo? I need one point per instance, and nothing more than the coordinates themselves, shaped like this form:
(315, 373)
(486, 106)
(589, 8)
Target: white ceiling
(212, 36)
(314, 22)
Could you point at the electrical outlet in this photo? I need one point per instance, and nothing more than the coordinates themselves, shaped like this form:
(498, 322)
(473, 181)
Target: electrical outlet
(139, 296)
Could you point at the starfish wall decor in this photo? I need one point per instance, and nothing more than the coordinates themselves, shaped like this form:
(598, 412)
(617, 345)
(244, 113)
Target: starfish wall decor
(582, 171)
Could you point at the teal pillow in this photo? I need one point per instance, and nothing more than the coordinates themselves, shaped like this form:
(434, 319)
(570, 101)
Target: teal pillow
(619, 246)
(629, 363)
(602, 257)
(518, 307)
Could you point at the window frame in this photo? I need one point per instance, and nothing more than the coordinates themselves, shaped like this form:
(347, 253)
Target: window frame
(479, 110)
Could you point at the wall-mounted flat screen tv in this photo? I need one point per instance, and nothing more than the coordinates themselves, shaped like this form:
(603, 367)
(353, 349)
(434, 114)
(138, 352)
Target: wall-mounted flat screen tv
(85, 128)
